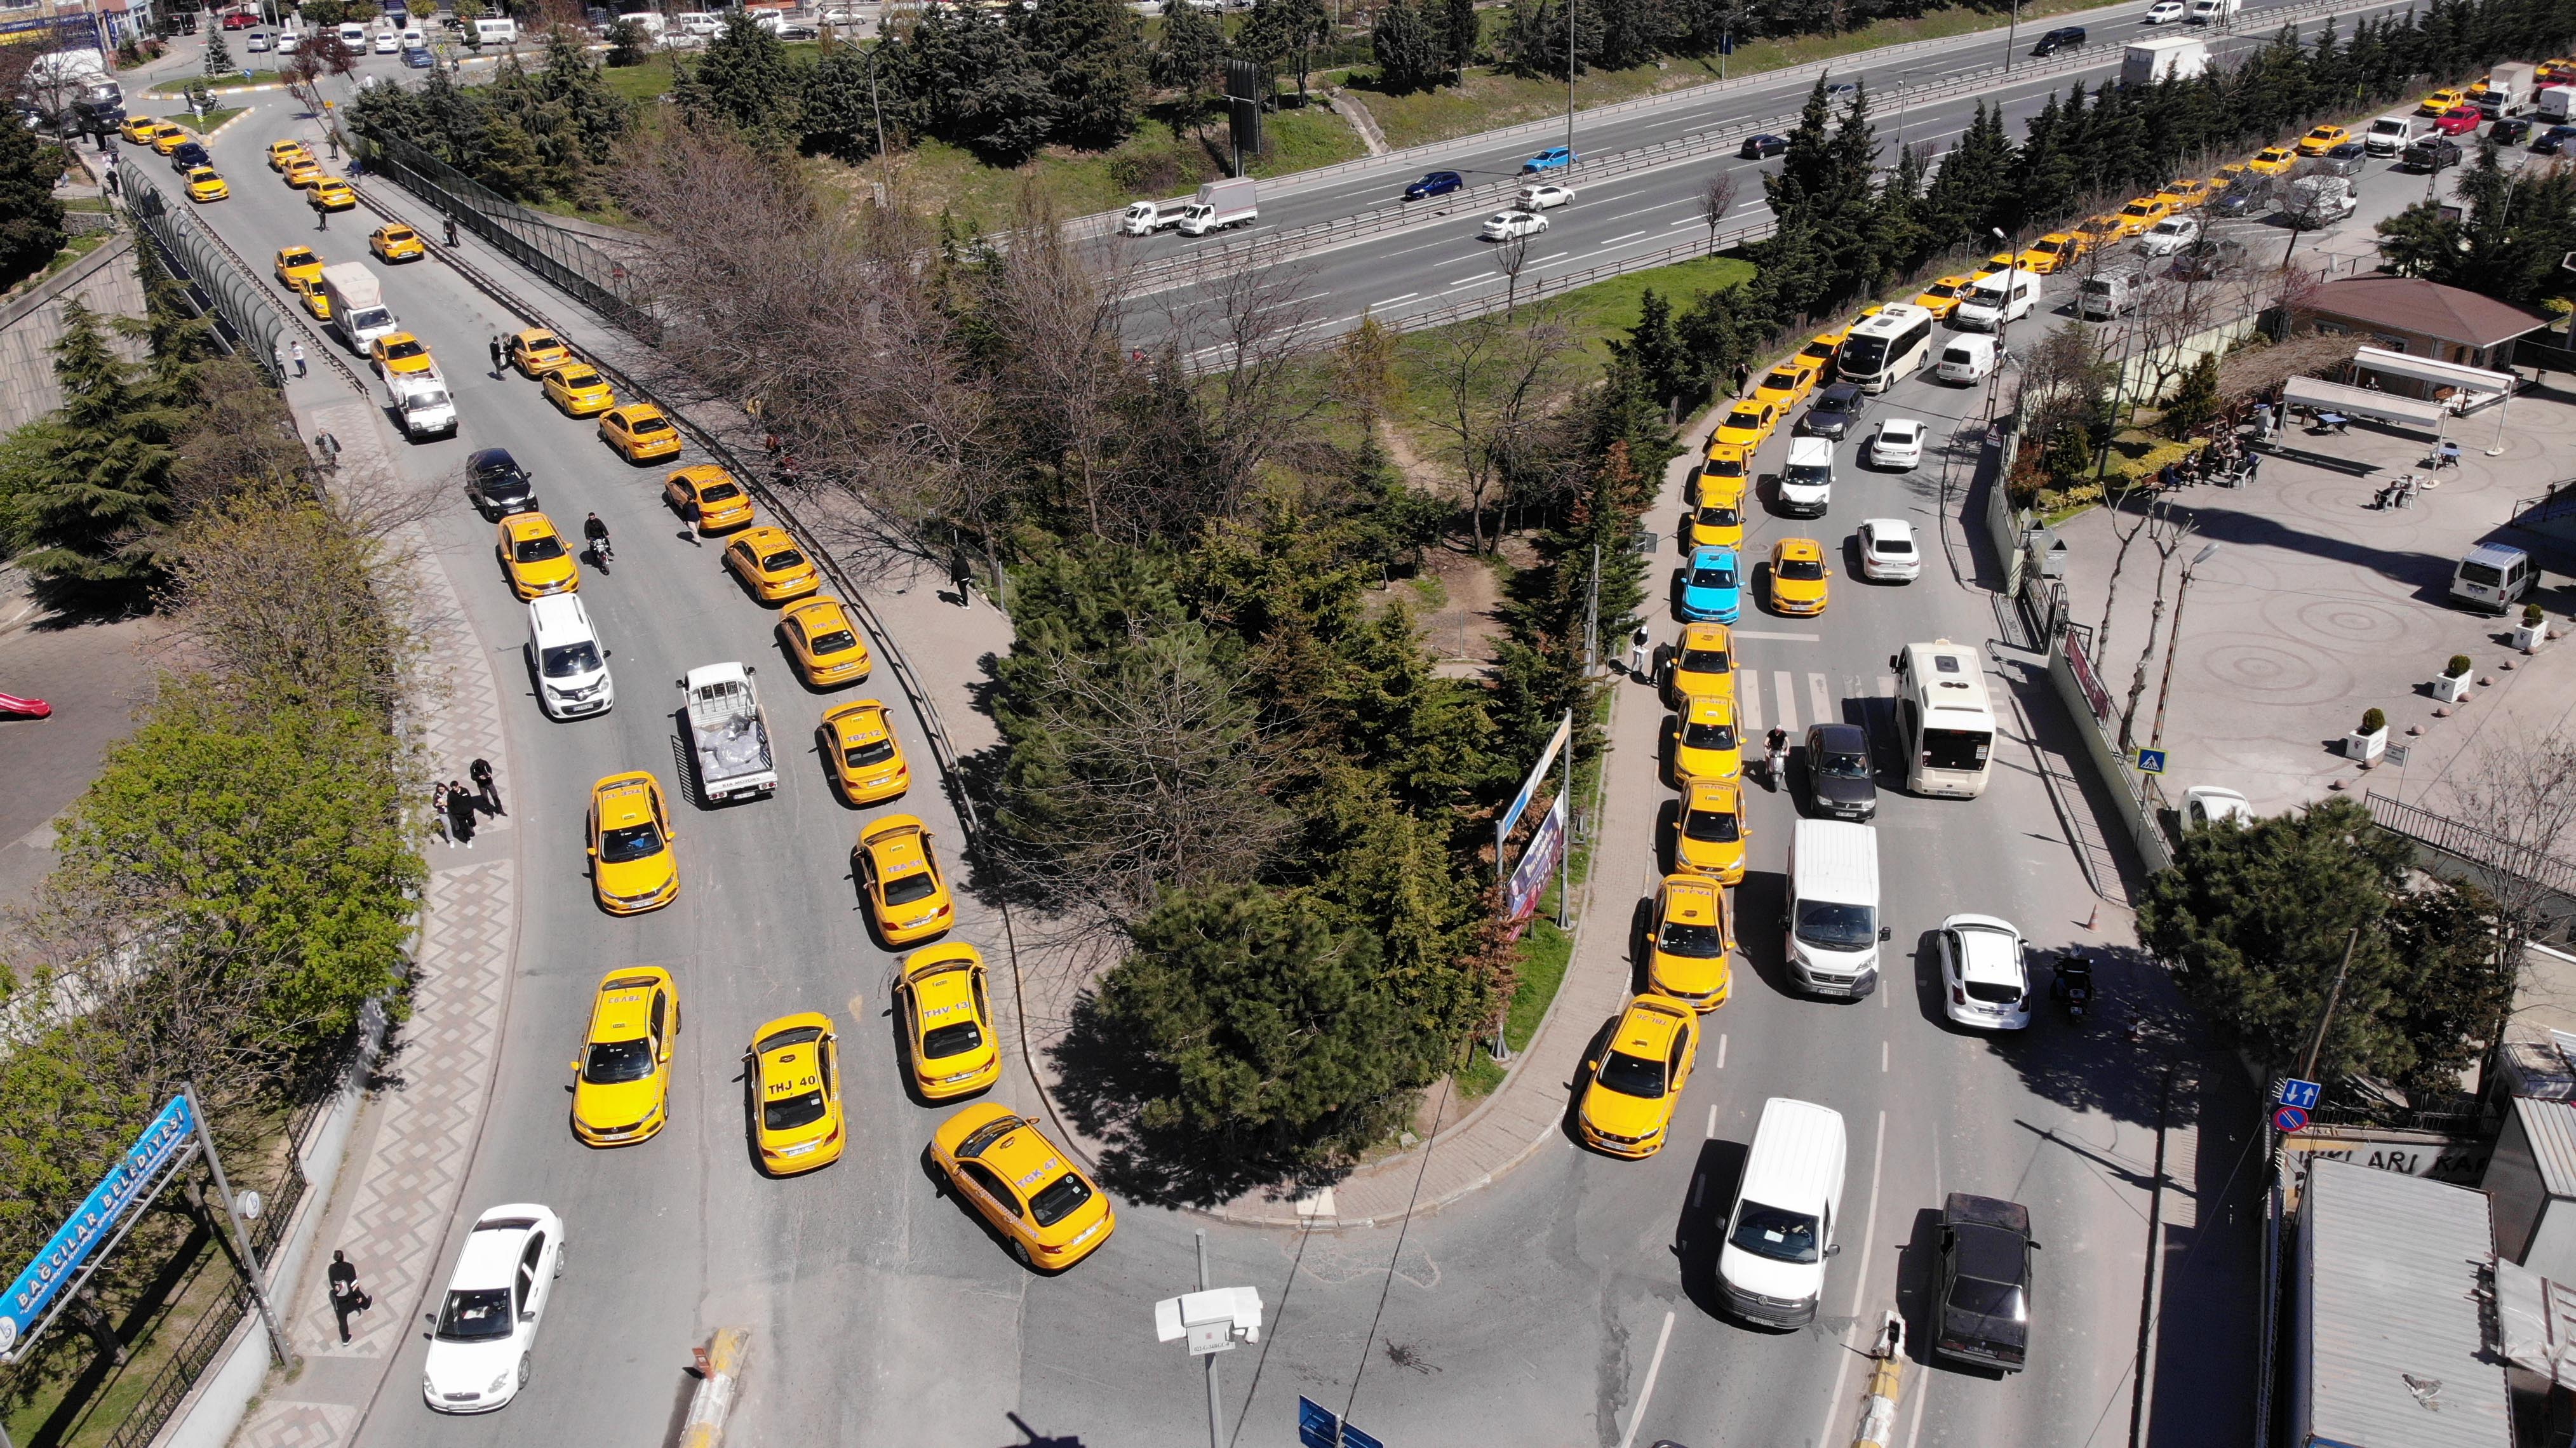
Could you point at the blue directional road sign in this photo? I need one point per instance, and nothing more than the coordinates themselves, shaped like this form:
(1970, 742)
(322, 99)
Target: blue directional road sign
(2290, 1119)
(2151, 761)
(1317, 1426)
(2295, 1092)
(1354, 1438)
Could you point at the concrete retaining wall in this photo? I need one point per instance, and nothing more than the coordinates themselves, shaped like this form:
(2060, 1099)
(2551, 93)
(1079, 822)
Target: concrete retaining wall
(32, 322)
(2140, 820)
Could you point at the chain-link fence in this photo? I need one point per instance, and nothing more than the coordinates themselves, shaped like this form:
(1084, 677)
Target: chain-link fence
(252, 325)
(570, 264)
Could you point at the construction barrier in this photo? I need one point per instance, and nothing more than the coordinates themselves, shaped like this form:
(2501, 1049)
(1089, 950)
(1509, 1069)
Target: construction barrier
(719, 1369)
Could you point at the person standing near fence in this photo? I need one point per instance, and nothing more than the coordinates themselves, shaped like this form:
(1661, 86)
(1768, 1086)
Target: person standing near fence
(296, 351)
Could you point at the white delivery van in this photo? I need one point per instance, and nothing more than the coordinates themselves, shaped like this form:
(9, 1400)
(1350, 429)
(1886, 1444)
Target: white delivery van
(2006, 296)
(2493, 576)
(1966, 360)
(2114, 291)
(1807, 480)
(1771, 1268)
(2556, 102)
(353, 38)
(496, 30)
(1832, 921)
(1144, 218)
(423, 403)
(2391, 134)
(564, 654)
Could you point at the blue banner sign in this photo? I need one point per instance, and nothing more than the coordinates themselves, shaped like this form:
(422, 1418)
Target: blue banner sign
(1317, 1427)
(117, 1193)
(1529, 878)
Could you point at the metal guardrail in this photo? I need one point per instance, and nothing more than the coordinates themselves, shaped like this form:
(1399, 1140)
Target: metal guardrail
(2464, 841)
(2558, 502)
(224, 282)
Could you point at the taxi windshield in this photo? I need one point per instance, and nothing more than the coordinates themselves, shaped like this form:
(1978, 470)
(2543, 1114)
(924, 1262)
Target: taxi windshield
(1058, 1199)
(629, 843)
(1703, 734)
(1704, 661)
(404, 349)
(539, 549)
(1633, 1075)
(1715, 826)
(1701, 942)
(1744, 417)
(612, 1062)
(1802, 570)
(956, 1040)
(904, 889)
(1719, 516)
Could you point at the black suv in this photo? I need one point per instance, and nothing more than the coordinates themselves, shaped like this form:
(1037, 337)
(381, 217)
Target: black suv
(1838, 772)
(1834, 411)
(498, 485)
(1985, 1281)
(2064, 37)
(2434, 153)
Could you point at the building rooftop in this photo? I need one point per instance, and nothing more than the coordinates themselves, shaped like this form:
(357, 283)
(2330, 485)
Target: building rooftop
(2428, 309)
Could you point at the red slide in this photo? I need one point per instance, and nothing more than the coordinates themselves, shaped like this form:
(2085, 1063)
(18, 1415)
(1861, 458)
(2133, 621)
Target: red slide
(13, 706)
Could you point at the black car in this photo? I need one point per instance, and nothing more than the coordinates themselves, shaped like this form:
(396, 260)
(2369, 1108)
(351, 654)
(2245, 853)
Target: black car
(2510, 131)
(1756, 147)
(1833, 411)
(187, 154)
(2064, 37)
(2550, 142)
(1985, 1281)
(498, 485)
(2211, 256)
(1838, 773)
(1438, 183)
(2248, 195)
(2436, 153)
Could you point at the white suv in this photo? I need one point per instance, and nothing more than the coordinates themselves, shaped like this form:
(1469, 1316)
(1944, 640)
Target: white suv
(1985, 980)
(565, 655)
(496, 1299)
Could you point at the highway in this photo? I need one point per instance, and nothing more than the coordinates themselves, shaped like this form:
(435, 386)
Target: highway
(1567, 1303)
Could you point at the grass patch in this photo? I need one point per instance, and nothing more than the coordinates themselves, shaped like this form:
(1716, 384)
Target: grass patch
(233, 80)
(641, 82)
(86, 1408)
(188, 121)
(73, 250)
(85, 203)
(1540, 964)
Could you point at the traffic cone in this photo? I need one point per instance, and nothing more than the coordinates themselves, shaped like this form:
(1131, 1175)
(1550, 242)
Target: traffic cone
(2094, 920)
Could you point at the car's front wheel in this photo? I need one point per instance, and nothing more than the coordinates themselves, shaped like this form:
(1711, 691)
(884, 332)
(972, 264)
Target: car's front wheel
(527, 1365)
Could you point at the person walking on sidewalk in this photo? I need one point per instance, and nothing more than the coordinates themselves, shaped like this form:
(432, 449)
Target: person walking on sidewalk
(451, 231)
(485, 790)
(496, 354)
(438, 814)
(1638, 654)
(347, 1298)
(296, 351)
(460, 813)
(961, 574)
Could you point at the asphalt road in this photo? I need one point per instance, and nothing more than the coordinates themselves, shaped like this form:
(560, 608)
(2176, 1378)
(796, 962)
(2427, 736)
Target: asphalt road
(1535, 1312)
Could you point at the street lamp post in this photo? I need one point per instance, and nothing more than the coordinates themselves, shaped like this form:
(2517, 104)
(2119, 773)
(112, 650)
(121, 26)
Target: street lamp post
(1569, 80)
(1213, 1320)
(2012, 28)
(2173, 643)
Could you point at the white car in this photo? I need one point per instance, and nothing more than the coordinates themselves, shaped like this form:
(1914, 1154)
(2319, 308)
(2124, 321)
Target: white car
(1985, 980)
(2163, 12)
(1887, 550)
(1968, 360)
(2169, 235)
(388, 41)
(260, 40)
(1899, 444)
(1504, 225)
(1542, 197)
(496, 1299)
(2206, 804)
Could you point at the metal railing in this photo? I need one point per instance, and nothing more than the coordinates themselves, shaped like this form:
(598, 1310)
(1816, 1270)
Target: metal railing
(2464, 841)
(220, 279)
(2558, 502)
(2077, 643)
(575, 267)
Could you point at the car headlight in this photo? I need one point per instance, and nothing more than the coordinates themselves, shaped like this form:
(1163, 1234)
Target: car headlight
(498, 1383)
(428, 1385)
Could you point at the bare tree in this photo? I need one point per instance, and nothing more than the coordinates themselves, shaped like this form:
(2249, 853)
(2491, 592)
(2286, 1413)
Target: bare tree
(2522, 793)
(2167, 530)
(1496, 378)
(2119, 560)
(1716, 203)
(1510, 258)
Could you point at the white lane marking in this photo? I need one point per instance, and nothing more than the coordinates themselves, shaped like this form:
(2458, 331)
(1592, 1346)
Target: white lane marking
(1691, 221)
(1820, 697)
(1712, 1119)
(1648, 210)
(1882, 1058)
(1653, 1367)
(1721, 1065)
(1914, 1429)
(1789, 638)
(1391, 301)
(1470, 281)
(1553, 256)
(1631, 236)
(1784, 690)
(1748, 700)
(1835, 1405)
(1426, 246)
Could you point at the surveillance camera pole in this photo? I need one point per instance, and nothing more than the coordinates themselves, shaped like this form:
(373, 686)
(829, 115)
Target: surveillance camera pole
(1216, 1417)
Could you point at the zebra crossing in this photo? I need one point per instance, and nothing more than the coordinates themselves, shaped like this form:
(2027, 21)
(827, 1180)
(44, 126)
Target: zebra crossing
(1823, 705)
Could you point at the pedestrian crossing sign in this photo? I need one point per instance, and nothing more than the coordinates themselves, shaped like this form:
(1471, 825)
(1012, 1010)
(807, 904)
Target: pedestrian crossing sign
(2151, 761)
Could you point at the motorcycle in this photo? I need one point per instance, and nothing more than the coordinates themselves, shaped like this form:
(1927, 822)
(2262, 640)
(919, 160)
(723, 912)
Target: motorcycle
(2071, 985)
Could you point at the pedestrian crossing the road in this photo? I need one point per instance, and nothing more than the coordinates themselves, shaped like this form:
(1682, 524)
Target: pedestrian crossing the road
(1823, 704)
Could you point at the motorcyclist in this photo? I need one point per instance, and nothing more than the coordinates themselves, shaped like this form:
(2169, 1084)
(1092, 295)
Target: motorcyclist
(1775, 748)
(597, 532)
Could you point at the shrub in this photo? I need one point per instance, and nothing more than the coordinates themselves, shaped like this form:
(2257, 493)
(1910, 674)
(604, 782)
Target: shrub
(2459, 666)
(2372, 721)
(2531, 615)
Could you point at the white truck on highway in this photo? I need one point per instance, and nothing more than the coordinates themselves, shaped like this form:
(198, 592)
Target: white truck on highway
(358, 310)
(1221, 204)
(2507, 89)
(2179, 57)
(728, 733)
(423, 403)
(2391, 134)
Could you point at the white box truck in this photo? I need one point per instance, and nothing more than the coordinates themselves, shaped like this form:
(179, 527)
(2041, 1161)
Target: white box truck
(1144, 218)
(2179, 57)
(358, 311)
(2391, 134)
(2508, 89)
(728, 733)
(1222, 204)
(423, 403)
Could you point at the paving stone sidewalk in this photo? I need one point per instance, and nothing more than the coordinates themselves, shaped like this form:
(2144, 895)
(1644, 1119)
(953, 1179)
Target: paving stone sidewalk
(397, 1192)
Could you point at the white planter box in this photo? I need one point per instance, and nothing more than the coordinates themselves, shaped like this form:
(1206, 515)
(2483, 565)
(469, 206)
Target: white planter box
(2366, 747)
(2452, 688)
(2528, 637)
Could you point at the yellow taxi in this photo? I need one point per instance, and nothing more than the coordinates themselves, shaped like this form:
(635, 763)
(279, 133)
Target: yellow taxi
(2143, 213)
(171, 139)
(144, 130)
(770, 564)
(537, 350)
(1821, 350)
(1798, 575)
(400, 352)
(621, 1083)
(1721, 469)
(824, 642)
(948, 1033)
(639, 432)
(2440, 101)
(203, 184)
(1748, 426)
(722, 502)
(2104, 229)
(2225, 176)
(1942, 297)
(1045, 1209)
(1631, 1088)
(796, 1074)
(297, 263)
(395, 242)
(577, 390)
(866, 759)
(632, 867)
(1787, 385)
(533, 556)
(2555, 71)
(1702, 665)
(899, 872)
(2272, 161)
(2055, 252)
(1705, 743)
(2185, 192)
(1718, 521)
(282, 154)
(302, 172)
(1713, 831)
(2323, 139)
(1693, 942)
(2003, 261)
(316, 301)
(330, 193)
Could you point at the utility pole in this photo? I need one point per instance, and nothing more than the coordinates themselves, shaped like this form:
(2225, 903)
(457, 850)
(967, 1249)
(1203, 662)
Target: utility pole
(1569, 79)
(2268, 1317)
(1216, 1415)
(2012, 28)
(1592, 618)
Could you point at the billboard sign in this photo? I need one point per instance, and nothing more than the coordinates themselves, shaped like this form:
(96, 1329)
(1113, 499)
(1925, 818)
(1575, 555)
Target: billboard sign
(1529, 787)
(1529, 877)
(125, 1188)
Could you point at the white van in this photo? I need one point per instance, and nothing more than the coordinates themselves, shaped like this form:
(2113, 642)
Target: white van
(564, 654)
(1967, 360)
(2007, 296)
(2493, 576)
(496, 30)
(1771, 1269)
(2391, 134)
(1807, 480)
(1832, 919)
(2113, 291)
(353, 38)
(2213, 12)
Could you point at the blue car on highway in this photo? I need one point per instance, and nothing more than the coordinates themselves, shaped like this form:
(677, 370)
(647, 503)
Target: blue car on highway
(1438, 183)
(1554, 158)
(1712, 587)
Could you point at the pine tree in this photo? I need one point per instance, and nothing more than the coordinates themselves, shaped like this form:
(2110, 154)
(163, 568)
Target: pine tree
(1663, 361)
(31, 217)
(1409, 55)
(98, 498)
(219, 53)
(1190, 59)
(746, 78)
(1461, 35)
(1095, 53)
(2196, 401)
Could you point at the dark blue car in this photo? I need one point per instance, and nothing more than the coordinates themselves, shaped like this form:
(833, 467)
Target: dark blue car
(1756, 147)
(1438, 183)
(2554, 140)
(418, 57)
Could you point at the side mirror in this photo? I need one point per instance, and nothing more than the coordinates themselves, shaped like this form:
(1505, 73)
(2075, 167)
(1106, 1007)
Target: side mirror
(2035, 1246)
(1834, 1250)
(1894, 660)
(751, 668)
(572, 1065)
(608, 653)
(1887, 932)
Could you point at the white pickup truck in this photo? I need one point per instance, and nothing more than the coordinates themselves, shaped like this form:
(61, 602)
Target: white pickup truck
(423, 403)
(729, 733)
